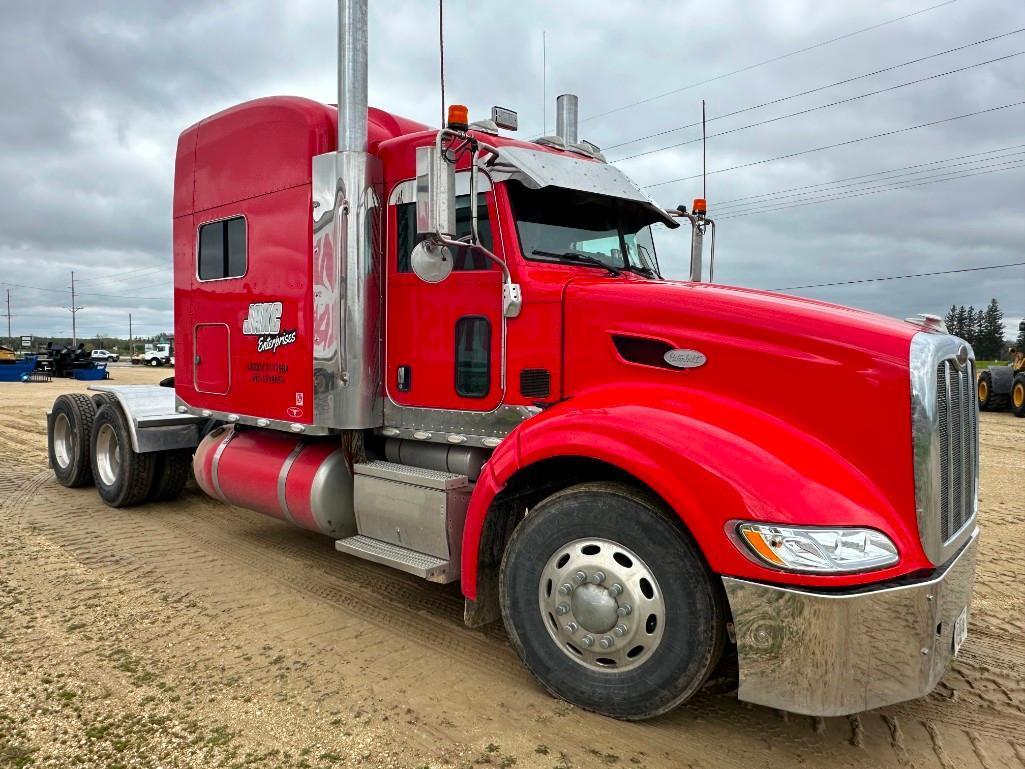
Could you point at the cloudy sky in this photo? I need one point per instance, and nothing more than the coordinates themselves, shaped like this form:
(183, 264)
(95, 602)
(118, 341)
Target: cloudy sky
(95, 94)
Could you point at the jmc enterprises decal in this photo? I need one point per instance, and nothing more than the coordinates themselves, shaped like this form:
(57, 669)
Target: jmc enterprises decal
(264, 321)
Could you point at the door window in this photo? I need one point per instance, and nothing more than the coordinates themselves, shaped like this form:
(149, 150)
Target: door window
(465, 257)
(473, 356)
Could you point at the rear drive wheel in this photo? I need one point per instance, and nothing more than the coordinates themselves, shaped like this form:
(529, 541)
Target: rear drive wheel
(170, 474)
(71, 421)
(609, 604)
(122, 476)
(1018, 396)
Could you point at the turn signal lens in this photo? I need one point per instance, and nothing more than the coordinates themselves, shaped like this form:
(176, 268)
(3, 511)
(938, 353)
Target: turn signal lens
(814, 549)
(458, 117)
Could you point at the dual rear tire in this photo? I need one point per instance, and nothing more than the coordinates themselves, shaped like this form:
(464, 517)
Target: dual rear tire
(90, 443)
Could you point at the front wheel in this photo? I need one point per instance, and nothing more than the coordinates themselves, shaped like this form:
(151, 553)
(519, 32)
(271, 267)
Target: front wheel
(154, 362)
(1018, 396)
(609, 603)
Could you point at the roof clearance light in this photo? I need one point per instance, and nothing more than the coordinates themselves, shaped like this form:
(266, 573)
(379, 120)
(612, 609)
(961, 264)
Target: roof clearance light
(814, 549)
(458, 117)
(700, 208)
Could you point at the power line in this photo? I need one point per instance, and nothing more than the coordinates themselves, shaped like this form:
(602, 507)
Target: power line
(815, 90)
(1010, 165)
(767, 61)
(120, 275)
(841, 144)
(738, 201)
(822, 106)
(1010, 158)
(901, 277)
(91, 293)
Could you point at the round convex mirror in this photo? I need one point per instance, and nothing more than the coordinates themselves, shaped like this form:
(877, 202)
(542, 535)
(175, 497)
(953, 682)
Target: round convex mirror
(431, 262)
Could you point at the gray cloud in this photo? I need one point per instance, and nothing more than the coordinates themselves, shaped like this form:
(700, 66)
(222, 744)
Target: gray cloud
(96, 94)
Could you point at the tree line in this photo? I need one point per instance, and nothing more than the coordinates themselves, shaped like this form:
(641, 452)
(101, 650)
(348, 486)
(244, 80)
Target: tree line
(983, 329)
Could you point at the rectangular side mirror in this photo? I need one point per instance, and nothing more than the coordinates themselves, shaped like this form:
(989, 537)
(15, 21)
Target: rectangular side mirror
(435, 193)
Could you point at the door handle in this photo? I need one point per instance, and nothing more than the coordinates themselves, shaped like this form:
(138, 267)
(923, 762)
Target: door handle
(197, 360)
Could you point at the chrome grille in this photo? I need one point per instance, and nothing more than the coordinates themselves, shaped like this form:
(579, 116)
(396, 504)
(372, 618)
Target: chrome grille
(956, 434)
(944, 425)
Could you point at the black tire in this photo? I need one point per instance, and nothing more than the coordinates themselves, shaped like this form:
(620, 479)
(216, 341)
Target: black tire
(154, 362)
(988, 399)
(126, 478)
(102, 399)
(75, 413)
(1018, 396)
(694, 617)
(171, 472)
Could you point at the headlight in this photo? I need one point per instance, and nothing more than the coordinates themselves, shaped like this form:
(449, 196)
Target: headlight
(806, 548)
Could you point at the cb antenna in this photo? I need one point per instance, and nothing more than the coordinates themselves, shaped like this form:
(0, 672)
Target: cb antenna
(704, 154)
(441, 51)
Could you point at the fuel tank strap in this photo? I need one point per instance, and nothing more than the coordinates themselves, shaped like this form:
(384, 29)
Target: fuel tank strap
(283, 480)
(214, 478)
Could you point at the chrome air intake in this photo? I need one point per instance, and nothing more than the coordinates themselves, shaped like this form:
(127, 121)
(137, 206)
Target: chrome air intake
(944, 415)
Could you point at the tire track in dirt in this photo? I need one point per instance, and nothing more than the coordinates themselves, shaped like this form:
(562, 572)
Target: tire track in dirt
(239, 591)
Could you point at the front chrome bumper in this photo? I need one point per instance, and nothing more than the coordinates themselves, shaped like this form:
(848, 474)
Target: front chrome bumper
(836, 653)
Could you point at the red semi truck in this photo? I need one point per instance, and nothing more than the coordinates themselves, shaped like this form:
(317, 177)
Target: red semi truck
(453, 352)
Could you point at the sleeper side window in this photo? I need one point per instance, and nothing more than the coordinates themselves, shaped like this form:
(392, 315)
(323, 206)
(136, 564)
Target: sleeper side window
(465, 259)
(473, 356)
(222, 249)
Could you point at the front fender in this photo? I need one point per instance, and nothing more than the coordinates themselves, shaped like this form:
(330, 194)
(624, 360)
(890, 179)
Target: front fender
(712, 460)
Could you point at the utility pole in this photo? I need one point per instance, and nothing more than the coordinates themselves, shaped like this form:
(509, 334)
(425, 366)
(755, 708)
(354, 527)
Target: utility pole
(11, 338)
(131, 339)
(74, 308)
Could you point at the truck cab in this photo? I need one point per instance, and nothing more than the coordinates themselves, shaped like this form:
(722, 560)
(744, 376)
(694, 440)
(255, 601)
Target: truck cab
(455, 353)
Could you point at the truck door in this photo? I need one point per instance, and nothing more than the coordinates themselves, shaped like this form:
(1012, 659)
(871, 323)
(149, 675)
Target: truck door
(444, 342)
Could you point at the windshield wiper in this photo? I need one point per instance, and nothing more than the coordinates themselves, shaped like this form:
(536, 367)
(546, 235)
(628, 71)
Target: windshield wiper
(573, 256)
(645, 271)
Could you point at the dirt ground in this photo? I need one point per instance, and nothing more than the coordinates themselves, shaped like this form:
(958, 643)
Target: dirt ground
(195, 634)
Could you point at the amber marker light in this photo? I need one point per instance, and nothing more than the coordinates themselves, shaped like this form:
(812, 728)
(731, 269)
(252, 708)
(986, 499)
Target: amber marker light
(458, 117)
(700, 207)
(759, 545)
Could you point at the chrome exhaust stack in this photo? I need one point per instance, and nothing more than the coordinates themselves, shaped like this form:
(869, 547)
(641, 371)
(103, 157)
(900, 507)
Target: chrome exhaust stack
(347, 286)
(566, 118)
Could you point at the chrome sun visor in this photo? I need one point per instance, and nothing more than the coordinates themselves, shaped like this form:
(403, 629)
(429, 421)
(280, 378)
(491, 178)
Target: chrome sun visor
(537, 168)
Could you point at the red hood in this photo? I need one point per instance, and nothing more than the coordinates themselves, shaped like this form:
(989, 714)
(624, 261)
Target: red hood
(837, 374)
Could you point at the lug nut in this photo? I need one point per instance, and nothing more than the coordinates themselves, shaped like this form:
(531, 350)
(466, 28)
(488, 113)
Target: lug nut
(606, 642)
(562, 608)
(598, 577)
(580, 577)
(587, 640)
(566, 589)
(620, 630)
(624, 610)
(572, 627)
(616, 590)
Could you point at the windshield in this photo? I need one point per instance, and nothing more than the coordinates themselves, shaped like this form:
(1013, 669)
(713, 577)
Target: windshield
(561, 225)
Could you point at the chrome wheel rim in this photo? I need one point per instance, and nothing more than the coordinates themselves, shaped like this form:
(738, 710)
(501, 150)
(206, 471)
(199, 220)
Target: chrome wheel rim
(108, 455)
(601, 605)
(63, 441)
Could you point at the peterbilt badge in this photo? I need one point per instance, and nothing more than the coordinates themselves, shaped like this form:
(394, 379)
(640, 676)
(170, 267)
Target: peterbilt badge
(685, 358)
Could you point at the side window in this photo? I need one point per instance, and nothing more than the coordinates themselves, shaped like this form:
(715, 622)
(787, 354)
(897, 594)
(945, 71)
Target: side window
(222, 249)
(473, 356)
(466, 259)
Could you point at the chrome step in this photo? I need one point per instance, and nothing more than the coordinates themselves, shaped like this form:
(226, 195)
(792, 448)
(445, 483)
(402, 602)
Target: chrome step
(415, 476)
(429, 567)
